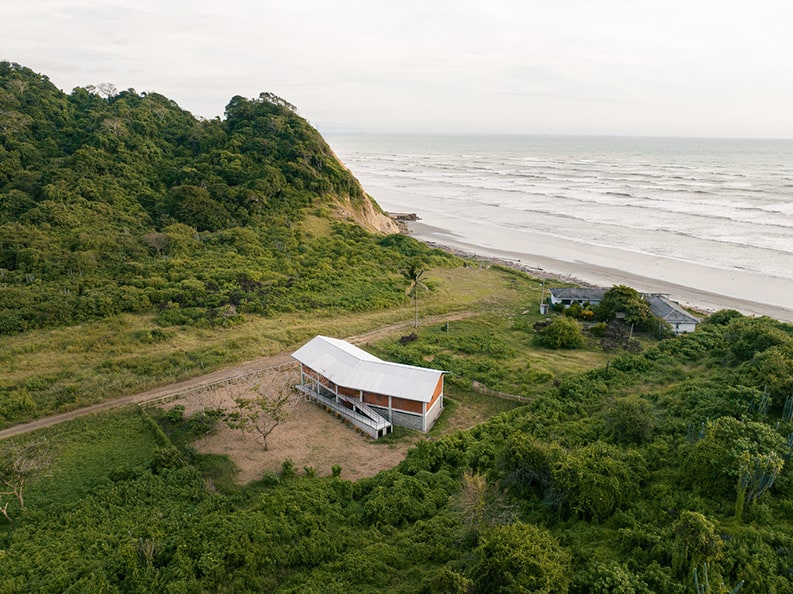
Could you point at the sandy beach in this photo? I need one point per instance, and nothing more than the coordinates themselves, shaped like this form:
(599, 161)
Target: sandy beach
(703, 288)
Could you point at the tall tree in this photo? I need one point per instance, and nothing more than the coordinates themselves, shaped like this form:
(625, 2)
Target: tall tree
(414, 273)
(629, 302)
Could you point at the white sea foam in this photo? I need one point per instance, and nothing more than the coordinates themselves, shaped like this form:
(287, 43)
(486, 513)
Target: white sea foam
(725, 204)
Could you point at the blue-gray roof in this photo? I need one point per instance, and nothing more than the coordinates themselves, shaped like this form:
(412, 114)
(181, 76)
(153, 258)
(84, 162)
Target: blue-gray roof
(583, 294)
(667, 310)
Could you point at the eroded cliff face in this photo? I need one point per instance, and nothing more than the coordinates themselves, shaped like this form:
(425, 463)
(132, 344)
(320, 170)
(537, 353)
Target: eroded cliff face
(368, 215)
(366, 212)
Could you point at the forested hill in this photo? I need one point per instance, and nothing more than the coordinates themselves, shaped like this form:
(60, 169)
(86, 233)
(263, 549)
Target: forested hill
(122, 201)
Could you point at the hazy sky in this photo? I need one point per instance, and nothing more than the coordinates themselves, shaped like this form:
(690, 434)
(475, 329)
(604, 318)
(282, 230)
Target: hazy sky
(677, 68)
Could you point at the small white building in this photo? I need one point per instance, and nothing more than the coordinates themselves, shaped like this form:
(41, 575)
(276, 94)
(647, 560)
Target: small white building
(371, 393)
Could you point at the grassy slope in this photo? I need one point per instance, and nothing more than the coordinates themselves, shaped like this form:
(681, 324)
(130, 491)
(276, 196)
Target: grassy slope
(64, 368)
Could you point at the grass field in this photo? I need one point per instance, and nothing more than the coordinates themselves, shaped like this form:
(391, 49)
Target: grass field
(57, 370)
(84, 453)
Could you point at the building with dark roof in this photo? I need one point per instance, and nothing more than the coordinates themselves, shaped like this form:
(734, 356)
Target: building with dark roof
(662, 307)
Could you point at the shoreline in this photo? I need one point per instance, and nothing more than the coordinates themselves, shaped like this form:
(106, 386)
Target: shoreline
(587, 265)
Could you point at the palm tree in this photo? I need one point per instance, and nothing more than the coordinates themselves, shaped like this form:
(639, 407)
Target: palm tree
(414, 274)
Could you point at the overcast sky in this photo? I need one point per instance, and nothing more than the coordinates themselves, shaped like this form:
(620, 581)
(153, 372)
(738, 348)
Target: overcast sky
(672, 67)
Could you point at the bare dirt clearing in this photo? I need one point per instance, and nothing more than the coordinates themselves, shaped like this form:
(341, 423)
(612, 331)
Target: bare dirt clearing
(309, 437)
(312, 437)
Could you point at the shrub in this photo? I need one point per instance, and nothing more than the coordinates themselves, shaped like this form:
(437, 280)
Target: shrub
(696, 541)
(750, 336)
(400, 498)
(629, 419)
(597, 479)
(713, 463)
(526, 463)
(175, 414)
(562, 333)
(598, 329)
(722, 317)
(164, 458)
(270, 479)
(520, 558)
(288, 469)
(610, 577)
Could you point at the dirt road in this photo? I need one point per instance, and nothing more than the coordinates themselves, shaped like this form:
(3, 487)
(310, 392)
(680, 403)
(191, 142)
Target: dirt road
(217, 377)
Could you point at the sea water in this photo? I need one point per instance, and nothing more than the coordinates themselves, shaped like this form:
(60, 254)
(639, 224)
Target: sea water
(723, 203)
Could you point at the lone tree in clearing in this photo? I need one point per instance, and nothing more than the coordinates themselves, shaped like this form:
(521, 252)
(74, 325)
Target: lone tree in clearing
(414, 274)
(266, 403)
(17, 464)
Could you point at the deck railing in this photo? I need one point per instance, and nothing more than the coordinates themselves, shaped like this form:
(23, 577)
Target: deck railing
(373, 425)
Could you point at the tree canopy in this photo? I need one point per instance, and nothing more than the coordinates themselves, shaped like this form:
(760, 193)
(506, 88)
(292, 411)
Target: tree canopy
(627, 302)
(119, 201)
(557, 495)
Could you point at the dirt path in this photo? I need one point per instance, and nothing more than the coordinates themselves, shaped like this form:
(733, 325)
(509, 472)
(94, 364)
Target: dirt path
(217, 377)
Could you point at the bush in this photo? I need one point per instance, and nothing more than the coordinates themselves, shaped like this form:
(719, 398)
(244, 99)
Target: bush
(400, 498)
(288, 469)
(526, 463)
(610, 578)
(598, 329)
(164, 458)
(562, 333)
(696, 542)
(722, 317)
(629, 419)
(175, 414)
(270, 479)
(596, 479)
(750, 336)
(713, 463)
(520, 558)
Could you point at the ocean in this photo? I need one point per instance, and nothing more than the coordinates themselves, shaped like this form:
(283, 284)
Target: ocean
(725, 204)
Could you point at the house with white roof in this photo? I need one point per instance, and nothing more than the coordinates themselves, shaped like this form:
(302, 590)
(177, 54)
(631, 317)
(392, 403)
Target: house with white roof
(371, 393)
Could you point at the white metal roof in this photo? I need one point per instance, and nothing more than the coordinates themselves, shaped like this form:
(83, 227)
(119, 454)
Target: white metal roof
(346, 365)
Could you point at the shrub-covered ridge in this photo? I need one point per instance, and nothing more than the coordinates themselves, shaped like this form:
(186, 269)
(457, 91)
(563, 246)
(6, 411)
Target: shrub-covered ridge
(124, 202)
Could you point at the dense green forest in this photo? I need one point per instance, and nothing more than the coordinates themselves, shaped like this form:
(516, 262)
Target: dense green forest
(663, 471)
(667, 469)
(117, 202)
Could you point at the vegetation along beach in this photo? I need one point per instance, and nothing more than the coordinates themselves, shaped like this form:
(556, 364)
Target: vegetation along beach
(158, 271)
